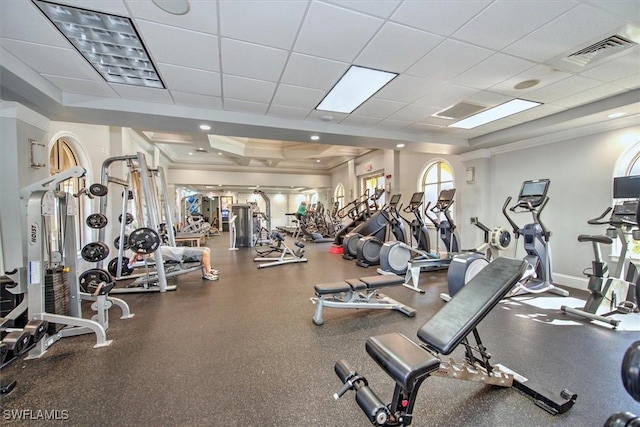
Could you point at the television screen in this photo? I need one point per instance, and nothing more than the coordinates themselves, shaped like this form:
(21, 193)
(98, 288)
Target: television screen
(533, 188)
(626, 187)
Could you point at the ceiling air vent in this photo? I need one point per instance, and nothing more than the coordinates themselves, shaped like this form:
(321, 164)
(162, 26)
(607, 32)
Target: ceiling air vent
(599, 50)
(459, 111)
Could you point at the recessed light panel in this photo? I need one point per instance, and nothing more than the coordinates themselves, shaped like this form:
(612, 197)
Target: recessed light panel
(501, 111)
(356, 86)
(110, 43)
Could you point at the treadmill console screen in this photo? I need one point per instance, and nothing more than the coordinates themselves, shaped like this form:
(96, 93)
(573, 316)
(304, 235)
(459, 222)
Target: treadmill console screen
(416, 199)
(446, 195)
(395, 199)
(626, 187)
(534, 191)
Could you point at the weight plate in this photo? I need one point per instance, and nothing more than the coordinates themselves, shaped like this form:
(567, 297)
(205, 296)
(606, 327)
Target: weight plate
(129, 218)
(97, 220)
(144, 240)
(129, 195)
(95, 278)
(98, 190)
(631, 370)
(116, 242)
(95, 251)
(113, 267)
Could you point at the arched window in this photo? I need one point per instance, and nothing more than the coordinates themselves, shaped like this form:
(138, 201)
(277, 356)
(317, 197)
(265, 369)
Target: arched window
(634, 167)
(61, 158)
(437, 176)
(338, 195)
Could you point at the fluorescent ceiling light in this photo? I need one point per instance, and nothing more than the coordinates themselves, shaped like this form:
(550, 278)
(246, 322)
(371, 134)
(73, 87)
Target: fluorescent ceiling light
(503, 110)
(356, 86)
(110, 43)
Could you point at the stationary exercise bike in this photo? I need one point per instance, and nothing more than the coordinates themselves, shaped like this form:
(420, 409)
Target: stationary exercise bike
(533, 199)
(611, 294)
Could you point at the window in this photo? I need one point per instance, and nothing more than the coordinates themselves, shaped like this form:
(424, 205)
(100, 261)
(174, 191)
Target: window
(338, 196)
(62, 157)
(372, 183)
(438, 176)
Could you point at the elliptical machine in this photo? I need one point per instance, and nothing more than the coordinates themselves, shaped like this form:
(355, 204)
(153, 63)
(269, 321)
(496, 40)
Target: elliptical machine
(446, 227)
(368, 247)
(533, 199)
(618, 293)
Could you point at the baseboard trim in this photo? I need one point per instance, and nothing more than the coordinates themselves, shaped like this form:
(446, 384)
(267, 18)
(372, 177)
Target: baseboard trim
(571, 281)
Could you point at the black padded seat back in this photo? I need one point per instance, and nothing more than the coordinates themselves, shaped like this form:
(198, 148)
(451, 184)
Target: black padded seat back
(453, 322)
(382, 280)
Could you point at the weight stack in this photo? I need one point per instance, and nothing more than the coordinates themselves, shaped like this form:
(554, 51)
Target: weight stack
(56, 296)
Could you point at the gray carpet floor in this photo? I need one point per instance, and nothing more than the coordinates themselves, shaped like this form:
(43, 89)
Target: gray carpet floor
(243, 351)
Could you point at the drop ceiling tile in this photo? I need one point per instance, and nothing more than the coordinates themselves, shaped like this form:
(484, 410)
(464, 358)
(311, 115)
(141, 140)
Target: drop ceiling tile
(578, 26)
(562, 89)
(190, 80)
(493, 70)
(202, 16)
(631, 82)
(86, 87)
(546, 76)
(442, 17)
(287, 112)
(488, 99)
(52, 60)
(139, 93)
(177, 46)
(245, 107)
(335, 33)
(298, 97)
(392, 124)
(379, 108)
(43, 33)
(396, 47)
(446, 95)
(629, 10)
(270, 23)
(516, 19)
(313, 72)
(448, 60)
(251, 60)
(243, 89)
(616, 69)
(360, 121)
(422, 128)
(197, 100)
(411, 113)
(436, 121)
(380, 8)
(589, 95)
(407, 89)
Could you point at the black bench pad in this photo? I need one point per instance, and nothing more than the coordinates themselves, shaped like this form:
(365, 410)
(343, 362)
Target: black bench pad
(356, 284)
(457, 318)
(405, 361)
(382, 280)
(332, 288)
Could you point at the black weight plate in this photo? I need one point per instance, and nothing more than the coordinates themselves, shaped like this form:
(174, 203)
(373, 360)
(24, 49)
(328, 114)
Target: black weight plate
(98, 190)
(129, 195)
(144, 240)
(95, 251)
(97, 220)
(631, 370)
(113, 267)
(129, 218)
(91, 279)
(116, 242)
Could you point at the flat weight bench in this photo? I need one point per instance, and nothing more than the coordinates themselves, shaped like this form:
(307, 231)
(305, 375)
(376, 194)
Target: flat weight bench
(358, 293)
(409, 364)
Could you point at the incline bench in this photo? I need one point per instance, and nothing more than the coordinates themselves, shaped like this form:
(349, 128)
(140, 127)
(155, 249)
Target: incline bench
(358, 293)
(409, 364)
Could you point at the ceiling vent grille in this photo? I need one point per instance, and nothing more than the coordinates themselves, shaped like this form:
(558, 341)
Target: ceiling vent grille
(459, 111)
(599, 50)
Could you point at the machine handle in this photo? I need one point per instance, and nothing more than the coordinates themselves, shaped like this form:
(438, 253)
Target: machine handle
(598, 220)
(514, 226)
